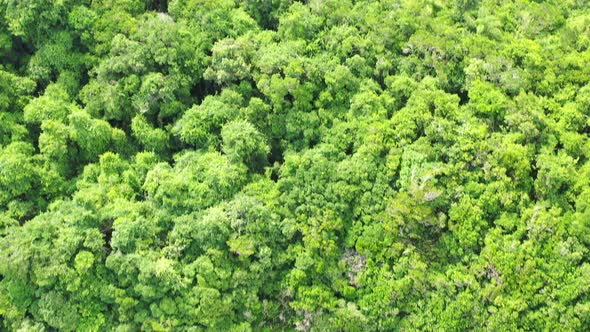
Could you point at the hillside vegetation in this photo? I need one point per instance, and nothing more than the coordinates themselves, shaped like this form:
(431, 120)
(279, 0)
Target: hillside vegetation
(269, 165)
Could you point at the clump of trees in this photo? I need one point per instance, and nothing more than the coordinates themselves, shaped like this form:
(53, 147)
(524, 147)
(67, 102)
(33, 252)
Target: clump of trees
(331, 165)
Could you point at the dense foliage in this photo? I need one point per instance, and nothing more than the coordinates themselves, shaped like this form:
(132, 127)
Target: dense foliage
(339, 165)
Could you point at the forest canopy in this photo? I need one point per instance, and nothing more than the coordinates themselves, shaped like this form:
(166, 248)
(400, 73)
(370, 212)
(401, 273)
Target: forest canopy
(319, 165)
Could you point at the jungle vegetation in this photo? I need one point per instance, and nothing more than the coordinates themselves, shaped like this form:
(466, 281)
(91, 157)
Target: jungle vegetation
(281, 165)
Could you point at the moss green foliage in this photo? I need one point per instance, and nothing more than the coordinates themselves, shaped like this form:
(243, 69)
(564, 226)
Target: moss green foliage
(281, 165)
